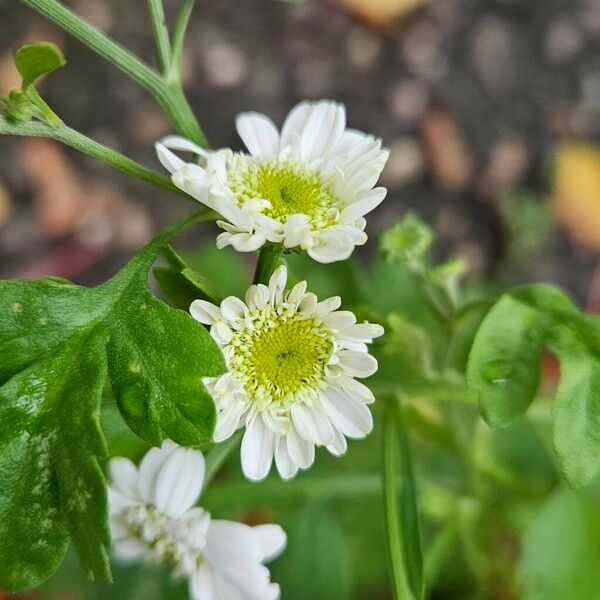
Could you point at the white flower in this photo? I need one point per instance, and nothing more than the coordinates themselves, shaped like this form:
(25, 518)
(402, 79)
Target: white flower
(308, 186)
(152, 515)
(292, 363)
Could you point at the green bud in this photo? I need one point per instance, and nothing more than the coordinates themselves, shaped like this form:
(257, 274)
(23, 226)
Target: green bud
(18, 108)
(406, 241)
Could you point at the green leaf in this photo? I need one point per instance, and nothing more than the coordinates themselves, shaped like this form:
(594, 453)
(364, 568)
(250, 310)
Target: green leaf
(37, 59)
(577, 406)
(182, 284)
(402, 516)
(464, 326)
(504, 363)
(409, 512)
(560, 558)
(316, 562)
(58, 345)
(504, 368)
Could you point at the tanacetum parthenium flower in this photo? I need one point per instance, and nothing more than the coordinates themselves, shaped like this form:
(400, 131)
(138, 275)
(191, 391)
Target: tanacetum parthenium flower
(292, 363)
(152, 516)
(306, 187)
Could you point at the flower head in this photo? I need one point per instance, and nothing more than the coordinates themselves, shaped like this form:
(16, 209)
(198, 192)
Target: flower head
(152, 515)
(292, 363)
(308, 186)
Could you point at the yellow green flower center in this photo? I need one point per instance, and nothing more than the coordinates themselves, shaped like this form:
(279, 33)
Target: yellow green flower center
(282, 354)
(289, 189)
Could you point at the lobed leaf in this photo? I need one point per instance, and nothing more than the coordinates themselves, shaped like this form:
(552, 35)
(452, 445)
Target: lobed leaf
(182, 284)
(37, 59)
(59, 344)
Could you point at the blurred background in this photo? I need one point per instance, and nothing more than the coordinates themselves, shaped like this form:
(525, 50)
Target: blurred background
(491, 109)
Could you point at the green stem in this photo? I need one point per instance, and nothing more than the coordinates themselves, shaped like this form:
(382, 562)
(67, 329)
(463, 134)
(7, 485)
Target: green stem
(218, 455)
(171, 98)
(84, 144)
(391, 506)
(47, 114)
(183, 18)
(161, 33)
(268, 260)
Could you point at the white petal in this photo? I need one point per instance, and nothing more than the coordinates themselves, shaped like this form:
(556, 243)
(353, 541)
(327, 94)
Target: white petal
(201, 584)
(258, 133)
(300, 451)
(322, 130)
(315, 126)
(295, 230)
(118, 501)
(328, 305)
(357, 364)
(150, 468)
(349, 140)
(176, 142)
(331, 247)
(338, 445)
(231, 543)
(312, 424)
(228, 421)
(247, 242)
(272, 540)
(355, 389)
(352, 418)
(130, 549)
(285, 465)
(308, 304)
(296, 294)
(124, 476)
(363, 206)
(221, 332)
(272, 592)
(363, 332)
(179, 482)
(277, 284)
(205, 312)
(223, 240)
(340, 319)
(233, 308)
(257, 449)
(258, 295)
(169, 160)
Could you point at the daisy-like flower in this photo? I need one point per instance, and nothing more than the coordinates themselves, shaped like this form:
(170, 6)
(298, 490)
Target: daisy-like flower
(292, 363)
(308, 186)
(152, 516)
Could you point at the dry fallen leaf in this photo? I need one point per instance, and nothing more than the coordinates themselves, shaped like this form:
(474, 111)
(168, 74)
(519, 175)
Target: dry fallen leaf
(449, 157)
(576, 191)
(382, 12)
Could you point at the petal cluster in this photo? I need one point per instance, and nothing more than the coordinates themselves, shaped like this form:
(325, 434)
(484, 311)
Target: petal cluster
(291, 380)
(307, 186)
(152, 516)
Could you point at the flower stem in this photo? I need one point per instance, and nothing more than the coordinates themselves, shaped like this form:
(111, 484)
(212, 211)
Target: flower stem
(174, 73)
(161, 33)
(170, 97)
(268, 260)
(84, 144)
(400, 582)
(218, 455)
